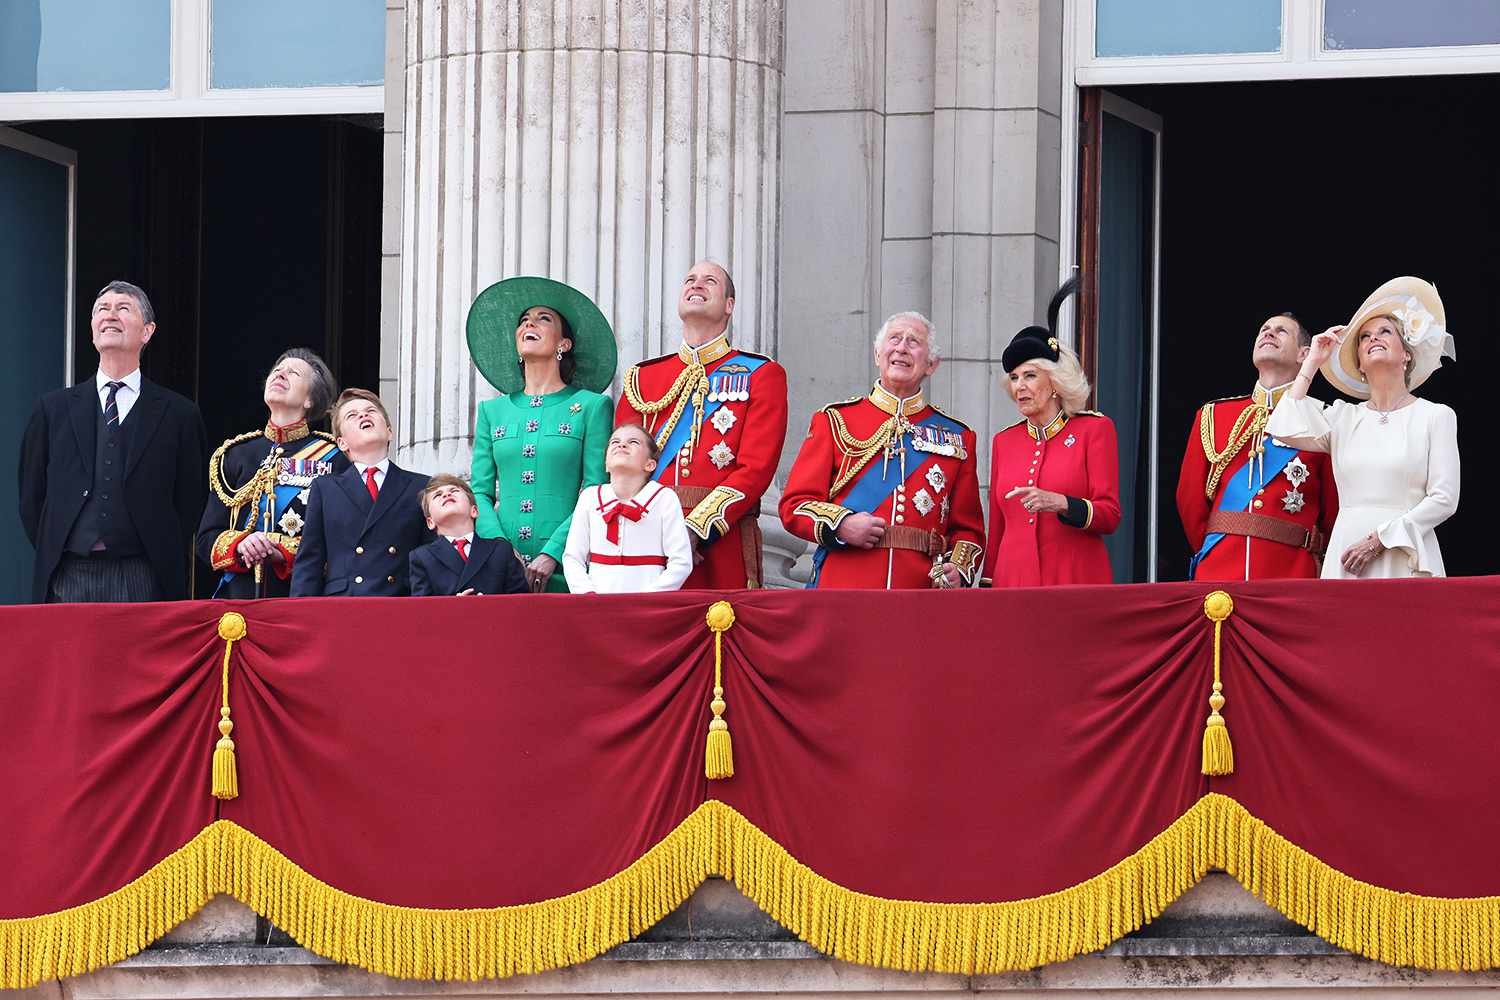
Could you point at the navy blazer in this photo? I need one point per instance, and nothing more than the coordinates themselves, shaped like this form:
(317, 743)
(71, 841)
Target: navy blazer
(492, 568)
(164, 485)
(353, 546)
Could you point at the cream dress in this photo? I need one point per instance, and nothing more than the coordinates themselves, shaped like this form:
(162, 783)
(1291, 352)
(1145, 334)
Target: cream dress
(1398, 479)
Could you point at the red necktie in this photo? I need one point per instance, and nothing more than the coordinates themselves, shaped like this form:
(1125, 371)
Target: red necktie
(612, 515)
(462, 545)
(370, 482)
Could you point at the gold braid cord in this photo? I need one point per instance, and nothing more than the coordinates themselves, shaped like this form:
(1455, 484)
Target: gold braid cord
(1250, 422)
(691, 384)
(252, 492)
(858, 452)
(1396, 928)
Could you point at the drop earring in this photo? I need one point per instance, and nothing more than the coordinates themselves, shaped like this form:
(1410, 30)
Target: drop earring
(559, 353)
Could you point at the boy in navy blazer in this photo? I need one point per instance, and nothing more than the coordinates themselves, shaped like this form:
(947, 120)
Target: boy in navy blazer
(457, 562)
(363, 523)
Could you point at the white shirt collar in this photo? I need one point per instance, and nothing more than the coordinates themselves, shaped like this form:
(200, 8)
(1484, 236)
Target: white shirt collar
(132, 381)
(647, 491)
(467, 538)
(383, 465)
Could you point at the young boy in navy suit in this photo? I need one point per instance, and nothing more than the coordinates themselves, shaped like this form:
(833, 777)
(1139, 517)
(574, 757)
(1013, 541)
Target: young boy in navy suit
(457, 562)
(363, 523)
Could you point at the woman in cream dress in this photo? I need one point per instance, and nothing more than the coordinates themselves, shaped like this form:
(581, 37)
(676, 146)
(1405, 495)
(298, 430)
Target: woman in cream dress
(1395, 456)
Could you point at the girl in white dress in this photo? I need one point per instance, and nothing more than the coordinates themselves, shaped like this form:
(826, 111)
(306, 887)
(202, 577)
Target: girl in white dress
(628, 535)
(1395, 457)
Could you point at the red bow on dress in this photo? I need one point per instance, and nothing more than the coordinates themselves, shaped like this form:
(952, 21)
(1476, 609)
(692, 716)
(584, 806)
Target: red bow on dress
(614, 512)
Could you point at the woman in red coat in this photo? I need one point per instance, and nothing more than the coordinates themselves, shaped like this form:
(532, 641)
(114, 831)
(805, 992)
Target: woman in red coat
(1055, 476)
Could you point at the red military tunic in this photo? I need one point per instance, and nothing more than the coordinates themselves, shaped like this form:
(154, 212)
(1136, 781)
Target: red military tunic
(933, 512)
(1076, 456)
(720, 476)
(1310, 504)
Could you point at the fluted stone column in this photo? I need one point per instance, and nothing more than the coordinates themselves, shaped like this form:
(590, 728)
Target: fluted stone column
(605, 143)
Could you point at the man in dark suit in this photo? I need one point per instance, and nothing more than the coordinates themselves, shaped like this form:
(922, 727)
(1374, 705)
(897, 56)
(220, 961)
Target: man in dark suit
(111, 472)
(458, 562)
(364, 522)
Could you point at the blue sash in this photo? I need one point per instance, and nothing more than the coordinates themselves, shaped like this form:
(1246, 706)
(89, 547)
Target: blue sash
(1239, 491)
(718, 381)
(880, 479)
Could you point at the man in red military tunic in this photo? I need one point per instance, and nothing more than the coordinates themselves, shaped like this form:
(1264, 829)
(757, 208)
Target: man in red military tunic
(885, 484)
(719, 415)
(1253, 508)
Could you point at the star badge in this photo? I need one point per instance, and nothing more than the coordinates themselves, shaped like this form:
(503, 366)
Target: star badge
(723, 419)
(922, 500)
(1293, 501)
(936, 479)
(291, 523)
(720, 455)
(1297, 472)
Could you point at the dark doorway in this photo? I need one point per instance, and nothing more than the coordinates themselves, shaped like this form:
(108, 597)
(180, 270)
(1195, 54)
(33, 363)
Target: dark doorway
(251, 235)
(1306, 196)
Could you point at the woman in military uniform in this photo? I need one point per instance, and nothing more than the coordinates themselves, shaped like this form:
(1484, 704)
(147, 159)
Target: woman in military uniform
(258, 482)
(550, 352)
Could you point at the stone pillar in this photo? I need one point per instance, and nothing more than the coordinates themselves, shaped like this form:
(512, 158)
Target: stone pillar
(605, 143)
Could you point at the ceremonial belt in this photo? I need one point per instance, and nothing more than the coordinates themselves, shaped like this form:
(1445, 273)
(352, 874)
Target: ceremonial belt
(750, 537)
(1272, 529)
(601, 559)
(899, 536)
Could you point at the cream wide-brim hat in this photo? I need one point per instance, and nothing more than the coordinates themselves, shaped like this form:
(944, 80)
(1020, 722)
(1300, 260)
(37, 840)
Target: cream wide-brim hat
(1424, 328)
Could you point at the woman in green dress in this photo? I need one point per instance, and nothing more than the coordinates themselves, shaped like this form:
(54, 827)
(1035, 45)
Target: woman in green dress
(550, 352)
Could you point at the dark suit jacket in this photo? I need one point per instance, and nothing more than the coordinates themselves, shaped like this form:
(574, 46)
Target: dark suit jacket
(492, 568)
(355, 547)
(165, 477)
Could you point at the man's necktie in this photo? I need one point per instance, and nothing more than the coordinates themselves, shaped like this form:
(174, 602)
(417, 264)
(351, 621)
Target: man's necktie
(111, 407)
(370, 482)
(462, 545)
(631, 511)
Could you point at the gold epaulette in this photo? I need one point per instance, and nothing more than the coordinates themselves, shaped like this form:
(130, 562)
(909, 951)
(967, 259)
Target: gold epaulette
(949, 415)
(326, 436)
(1088, 413)
(843, 402)
(231, 442)
(1007, 427)
(1227, 399)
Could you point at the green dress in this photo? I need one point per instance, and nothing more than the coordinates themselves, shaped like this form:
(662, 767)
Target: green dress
(533, 455)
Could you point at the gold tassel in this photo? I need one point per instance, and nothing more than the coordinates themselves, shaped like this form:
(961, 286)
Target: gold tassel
(719, 761)
(1218, 751)
(226, 782)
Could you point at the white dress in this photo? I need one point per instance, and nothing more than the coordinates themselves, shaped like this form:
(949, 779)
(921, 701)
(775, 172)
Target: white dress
(1398, 479)
(653, 552)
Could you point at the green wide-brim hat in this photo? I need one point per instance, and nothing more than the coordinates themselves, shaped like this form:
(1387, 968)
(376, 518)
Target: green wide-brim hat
(496, 313)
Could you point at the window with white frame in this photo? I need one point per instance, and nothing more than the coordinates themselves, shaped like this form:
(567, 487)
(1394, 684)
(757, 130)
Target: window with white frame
(173, 58)
(1120, 42)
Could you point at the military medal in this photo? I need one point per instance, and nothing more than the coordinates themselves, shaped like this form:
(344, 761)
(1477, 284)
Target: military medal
(1296, 472)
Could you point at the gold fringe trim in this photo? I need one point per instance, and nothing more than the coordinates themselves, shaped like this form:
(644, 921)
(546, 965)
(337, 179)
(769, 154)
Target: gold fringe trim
(971, 938)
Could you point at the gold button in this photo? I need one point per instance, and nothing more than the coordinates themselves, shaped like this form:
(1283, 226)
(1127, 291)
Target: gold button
(686, 473)
(1260, 491)
(1259, 504)
(1032, 521)
(1038, 453)
(1031, 482)
(359, 550)
(359, 579)
(390, 579)
(392, 550)
(900, 507)
(900, 518)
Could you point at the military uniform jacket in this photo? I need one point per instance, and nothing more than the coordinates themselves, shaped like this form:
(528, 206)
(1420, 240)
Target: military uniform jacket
(245, 484)
(1302, 493)
(917, 468)
(720, 416)
(532, 456)
(353, 546)
(1076, 456)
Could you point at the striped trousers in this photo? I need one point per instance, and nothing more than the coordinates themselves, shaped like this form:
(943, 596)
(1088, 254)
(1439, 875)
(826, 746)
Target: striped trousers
(81, 580)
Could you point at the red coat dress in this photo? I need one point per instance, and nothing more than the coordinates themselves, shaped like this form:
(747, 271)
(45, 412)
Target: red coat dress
(1076, 456)
(1310, 504)
(735, 402)
(932, 511)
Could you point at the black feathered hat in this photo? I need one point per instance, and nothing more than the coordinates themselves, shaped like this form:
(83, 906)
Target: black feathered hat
(1039, 342)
